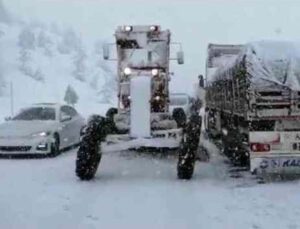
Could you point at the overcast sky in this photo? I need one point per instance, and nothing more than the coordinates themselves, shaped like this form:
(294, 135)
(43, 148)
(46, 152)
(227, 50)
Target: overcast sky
(195, 23)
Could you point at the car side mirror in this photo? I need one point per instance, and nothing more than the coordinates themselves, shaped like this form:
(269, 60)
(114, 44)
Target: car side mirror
(180, 57)
(65, 118)
(8, 118)
(105, 52)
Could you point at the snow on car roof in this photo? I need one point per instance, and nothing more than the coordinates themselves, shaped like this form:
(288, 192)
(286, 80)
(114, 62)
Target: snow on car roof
(46, 104)
(49, 104)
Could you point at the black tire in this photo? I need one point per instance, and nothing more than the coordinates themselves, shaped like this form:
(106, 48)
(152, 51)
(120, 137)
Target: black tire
(186, 162)
(179, 116)
(89, 153)
(189, 147)
(111, 112)
(240, 158)
(238, 155)
(55, 146)
(87, 163)
(185, 173)
(82, 131)
(111, 126)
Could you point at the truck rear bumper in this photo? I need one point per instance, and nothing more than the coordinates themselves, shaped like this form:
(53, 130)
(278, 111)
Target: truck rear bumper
(276, 164)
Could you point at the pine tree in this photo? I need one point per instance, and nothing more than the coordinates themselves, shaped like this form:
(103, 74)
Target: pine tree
(71, 96)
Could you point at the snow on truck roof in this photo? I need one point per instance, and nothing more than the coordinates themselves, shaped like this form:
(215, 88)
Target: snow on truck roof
(267, 62)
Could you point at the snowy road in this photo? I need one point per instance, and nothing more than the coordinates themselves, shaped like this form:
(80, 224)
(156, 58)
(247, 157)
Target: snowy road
(140, 192)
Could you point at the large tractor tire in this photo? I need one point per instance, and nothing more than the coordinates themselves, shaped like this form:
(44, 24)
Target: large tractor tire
(87, 162)
(189, 147)
(234, 150)
(89, 152)
(111, 112)
(179, 116)
(186, 163)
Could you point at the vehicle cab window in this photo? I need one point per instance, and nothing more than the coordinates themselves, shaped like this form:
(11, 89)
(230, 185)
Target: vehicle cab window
(67, 111)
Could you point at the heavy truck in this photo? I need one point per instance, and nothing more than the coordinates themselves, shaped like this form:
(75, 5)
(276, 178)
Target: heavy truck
(253, 104)
(142, 119)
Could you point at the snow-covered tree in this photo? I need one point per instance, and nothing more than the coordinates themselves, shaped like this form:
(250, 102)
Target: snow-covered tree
(94, 82)
(26, 39)
(25, 67)
(70, 42)
(38, 75)
(26, 43)
(4, 16)
(80, 66)
(44, 41)
(71, 96)
(109, 89)
(24, 58)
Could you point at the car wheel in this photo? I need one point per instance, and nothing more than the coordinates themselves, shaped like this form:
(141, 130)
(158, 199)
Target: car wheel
(55, 146)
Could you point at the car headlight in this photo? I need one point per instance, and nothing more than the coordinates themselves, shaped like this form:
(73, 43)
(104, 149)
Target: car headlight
(41, 134)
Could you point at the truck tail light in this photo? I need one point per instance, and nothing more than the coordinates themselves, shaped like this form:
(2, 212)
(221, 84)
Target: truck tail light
(260, 147)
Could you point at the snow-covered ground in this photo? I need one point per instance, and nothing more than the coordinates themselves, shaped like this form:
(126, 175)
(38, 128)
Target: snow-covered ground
(132, 191)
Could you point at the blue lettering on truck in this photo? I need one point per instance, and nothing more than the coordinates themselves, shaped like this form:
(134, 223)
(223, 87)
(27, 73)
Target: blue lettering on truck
(276, 163)
(291, 163)
(264, 164)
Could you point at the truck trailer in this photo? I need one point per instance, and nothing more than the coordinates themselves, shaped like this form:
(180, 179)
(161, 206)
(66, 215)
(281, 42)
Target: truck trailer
(253, 104)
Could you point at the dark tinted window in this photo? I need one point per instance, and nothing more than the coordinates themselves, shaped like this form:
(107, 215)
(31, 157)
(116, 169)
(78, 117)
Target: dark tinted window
(69, 111)
(36, 113)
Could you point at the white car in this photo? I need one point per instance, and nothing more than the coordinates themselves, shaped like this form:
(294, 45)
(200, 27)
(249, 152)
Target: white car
(42, 129)
(180, 100)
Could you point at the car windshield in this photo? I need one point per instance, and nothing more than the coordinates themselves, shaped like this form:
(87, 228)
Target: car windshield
(36, 113)
(177, 101)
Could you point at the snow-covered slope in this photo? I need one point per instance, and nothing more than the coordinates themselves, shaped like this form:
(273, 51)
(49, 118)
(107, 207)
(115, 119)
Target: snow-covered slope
(40, 62)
